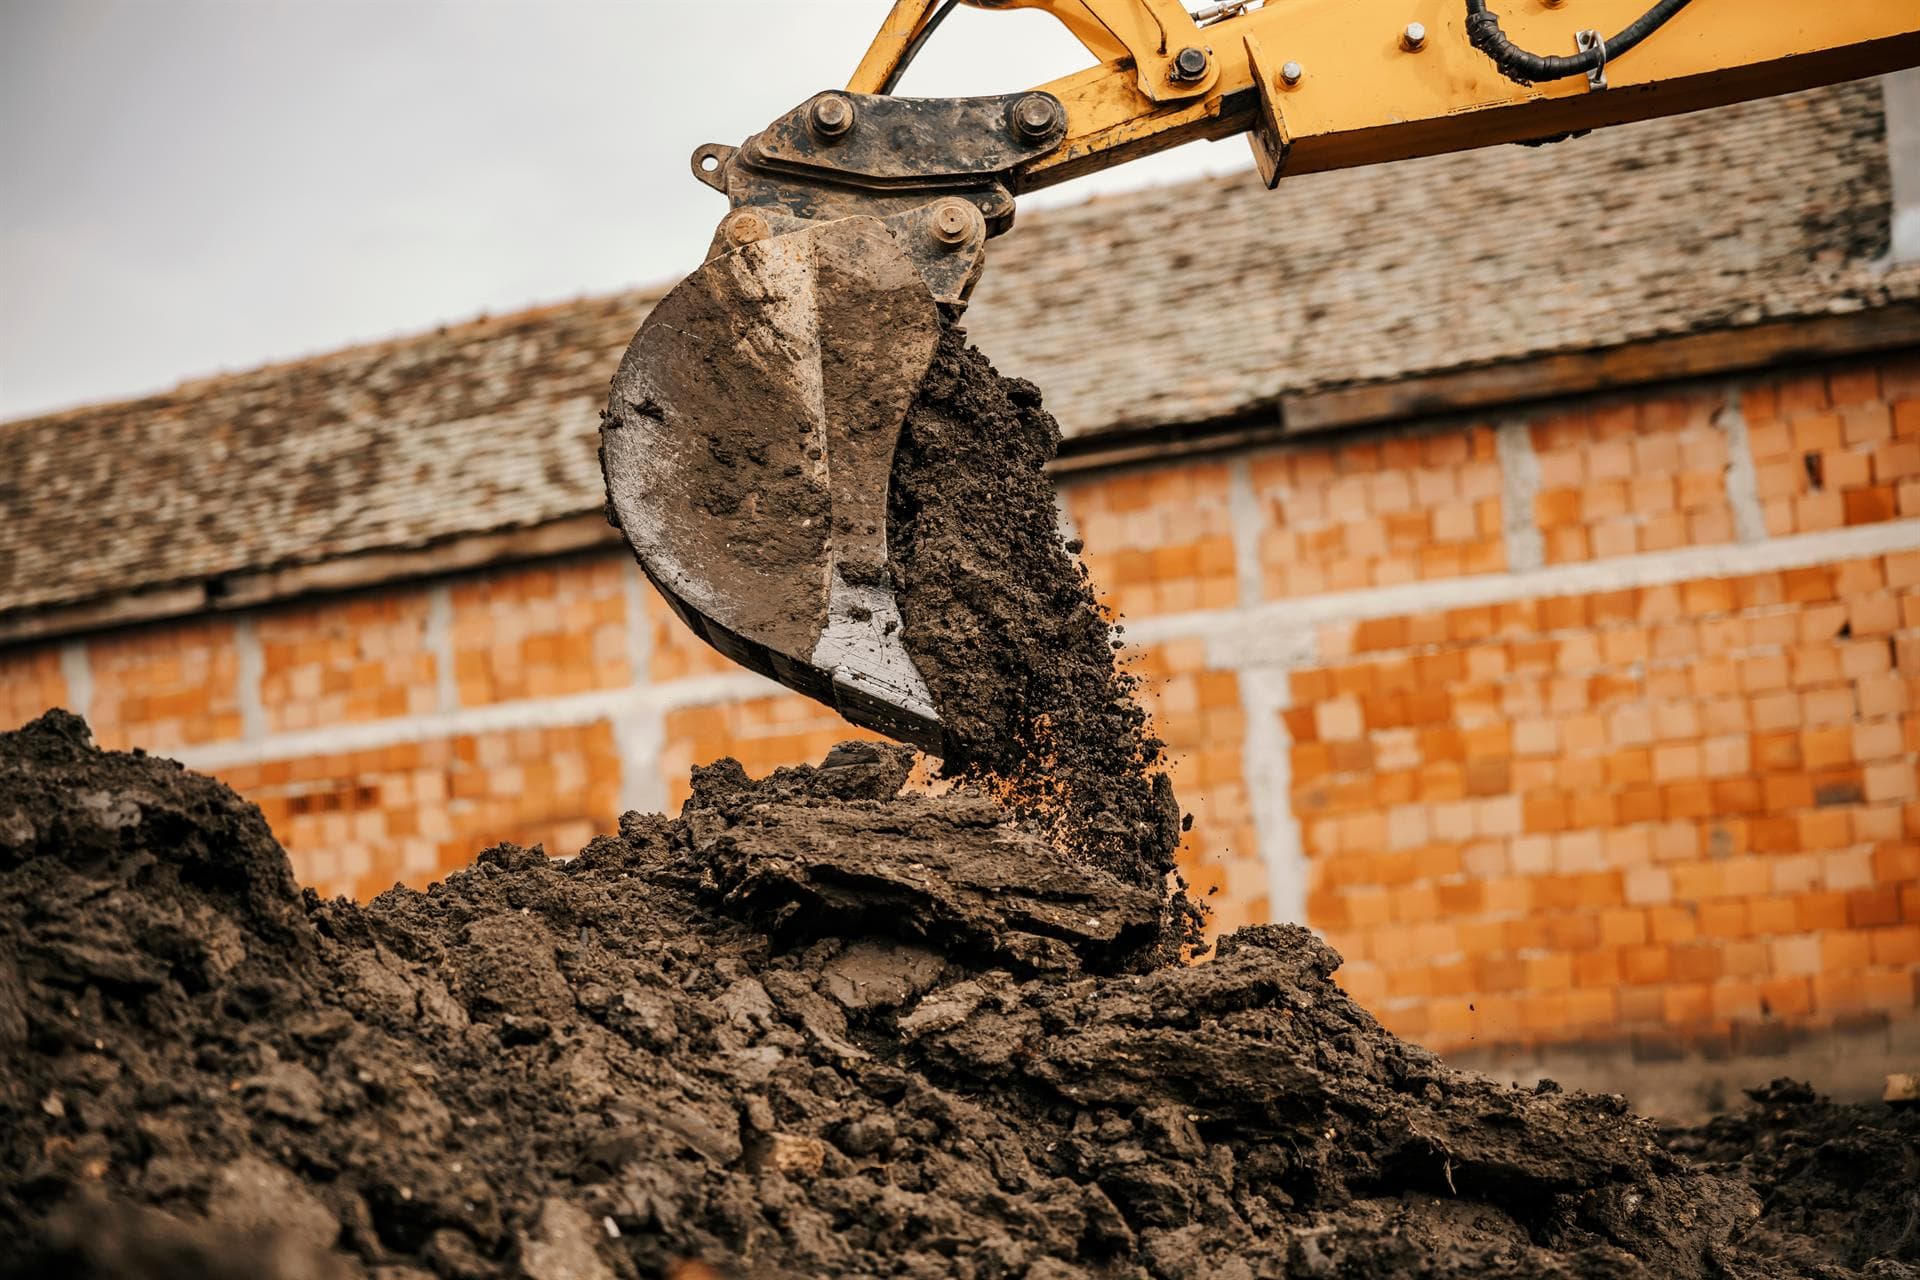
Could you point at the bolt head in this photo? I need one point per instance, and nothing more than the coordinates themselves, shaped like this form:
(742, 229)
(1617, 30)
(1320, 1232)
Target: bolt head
(952, 222)
(744, 226)
(1290, 73)
(1034, 117)
(832, 115)
(1414, 37)
(1190, 64)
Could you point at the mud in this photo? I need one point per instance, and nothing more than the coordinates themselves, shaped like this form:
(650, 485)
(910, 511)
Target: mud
(1839, 1185)
(808, 1028)
(1004, 623)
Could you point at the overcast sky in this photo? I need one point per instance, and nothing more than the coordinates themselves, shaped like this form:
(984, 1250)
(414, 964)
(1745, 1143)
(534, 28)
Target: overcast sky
(188, 186)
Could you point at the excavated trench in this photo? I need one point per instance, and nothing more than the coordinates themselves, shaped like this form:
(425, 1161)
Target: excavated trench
(812, 1026)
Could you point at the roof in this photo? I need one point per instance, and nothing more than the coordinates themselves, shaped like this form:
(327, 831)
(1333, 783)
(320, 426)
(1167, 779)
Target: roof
(1180, 304)
(1235, 295)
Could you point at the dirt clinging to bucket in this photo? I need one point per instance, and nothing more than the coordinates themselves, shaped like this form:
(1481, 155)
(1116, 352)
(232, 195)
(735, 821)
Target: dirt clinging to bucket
(1004, 623)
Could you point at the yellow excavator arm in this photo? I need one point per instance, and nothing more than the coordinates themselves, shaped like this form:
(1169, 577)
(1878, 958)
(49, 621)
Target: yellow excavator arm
(1331, 84)
(750, 432)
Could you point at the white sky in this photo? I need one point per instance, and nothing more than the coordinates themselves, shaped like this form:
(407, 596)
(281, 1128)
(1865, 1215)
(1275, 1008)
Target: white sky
(188, 186)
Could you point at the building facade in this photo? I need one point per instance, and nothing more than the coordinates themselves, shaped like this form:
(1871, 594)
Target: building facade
(1533, 610)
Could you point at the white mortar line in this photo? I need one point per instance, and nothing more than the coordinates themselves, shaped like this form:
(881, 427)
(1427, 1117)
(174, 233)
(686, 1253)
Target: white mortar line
(1743, 482)
(250, 670)
(1266, 764)
(531, 713)
(77, 671)
(1519, 486)
(439, 638)
(1243, 507)
(1272, 635)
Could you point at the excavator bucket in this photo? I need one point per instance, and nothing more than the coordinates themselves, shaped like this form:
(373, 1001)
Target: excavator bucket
(747, 446)
(749, 436)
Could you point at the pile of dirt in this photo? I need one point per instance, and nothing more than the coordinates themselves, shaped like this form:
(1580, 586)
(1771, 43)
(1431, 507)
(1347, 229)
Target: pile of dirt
(1005, 625)
(1839, 1185)
(810, 1027)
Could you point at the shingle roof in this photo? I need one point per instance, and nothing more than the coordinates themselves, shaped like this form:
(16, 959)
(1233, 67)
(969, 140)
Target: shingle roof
(1234, 294)
(1179, 304)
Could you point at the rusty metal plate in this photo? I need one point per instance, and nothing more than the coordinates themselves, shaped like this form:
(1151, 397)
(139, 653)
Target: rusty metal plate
(747, 447)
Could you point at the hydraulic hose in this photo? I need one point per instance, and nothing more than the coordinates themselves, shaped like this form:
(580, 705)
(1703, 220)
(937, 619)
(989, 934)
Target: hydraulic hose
(912, 50)
(1515, 63)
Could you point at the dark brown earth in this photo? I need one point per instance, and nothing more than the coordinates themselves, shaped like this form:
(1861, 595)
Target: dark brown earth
(808, 1028)
(1004, 624)
(1840, 1184)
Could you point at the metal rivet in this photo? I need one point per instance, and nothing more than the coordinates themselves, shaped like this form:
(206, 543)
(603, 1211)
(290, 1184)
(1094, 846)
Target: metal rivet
(832, 115)
(1414, 38)
(744, 226)
(1290, 74)
(952, 222)
(1189, 65)
(1034, 116)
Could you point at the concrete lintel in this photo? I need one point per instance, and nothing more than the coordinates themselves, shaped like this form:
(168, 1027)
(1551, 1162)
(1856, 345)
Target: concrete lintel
(612, 705)
(1278, 633)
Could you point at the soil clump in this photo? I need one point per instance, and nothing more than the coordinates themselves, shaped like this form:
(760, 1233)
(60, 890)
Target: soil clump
(1839, 1185)
(1004, 623)
(810, 1027)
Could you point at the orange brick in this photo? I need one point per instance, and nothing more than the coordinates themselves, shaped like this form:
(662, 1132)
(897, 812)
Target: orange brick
(1879, 905)
(1723, 920)
(1746, 959)
(1786, 998)
(1839, 992)
(1890, 990)
(1898, 945)
(1645, 965)
(1770, 916)
(1817, 911)
(1598, 967)
(1845, 950)
(1687, 1004)
(1598, 1007)
(1896, 862)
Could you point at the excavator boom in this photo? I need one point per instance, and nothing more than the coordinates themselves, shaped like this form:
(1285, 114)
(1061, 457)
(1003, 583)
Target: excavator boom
(750, 432)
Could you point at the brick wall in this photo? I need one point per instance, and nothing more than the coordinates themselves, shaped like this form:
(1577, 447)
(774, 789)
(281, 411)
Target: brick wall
(1596, 723)
(1661, 806)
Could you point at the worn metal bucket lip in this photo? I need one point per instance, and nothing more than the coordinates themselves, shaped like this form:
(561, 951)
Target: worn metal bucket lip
(748, 447)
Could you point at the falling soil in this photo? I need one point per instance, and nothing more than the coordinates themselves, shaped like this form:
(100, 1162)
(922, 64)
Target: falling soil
(811, 1027)
(1004, 624)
